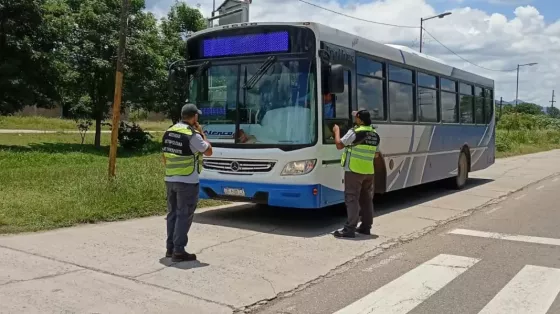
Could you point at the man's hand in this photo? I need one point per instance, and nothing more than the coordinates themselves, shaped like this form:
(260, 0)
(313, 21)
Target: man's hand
(198, 127)
(337, 141)
(336, 129)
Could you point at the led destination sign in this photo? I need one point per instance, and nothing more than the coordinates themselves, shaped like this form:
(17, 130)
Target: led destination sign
(246, 44)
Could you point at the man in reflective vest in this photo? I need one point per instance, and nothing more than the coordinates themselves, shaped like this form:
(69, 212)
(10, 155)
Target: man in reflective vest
(360, 145)
(183, 146)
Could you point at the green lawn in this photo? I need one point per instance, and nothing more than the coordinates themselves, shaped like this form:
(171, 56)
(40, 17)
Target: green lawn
(56, 124)
(50, 181)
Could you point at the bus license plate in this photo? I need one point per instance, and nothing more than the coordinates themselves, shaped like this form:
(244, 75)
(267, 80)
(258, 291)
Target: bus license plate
(234, 192)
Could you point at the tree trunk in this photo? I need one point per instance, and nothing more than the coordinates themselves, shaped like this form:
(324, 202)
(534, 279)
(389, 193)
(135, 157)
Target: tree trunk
(98, 132)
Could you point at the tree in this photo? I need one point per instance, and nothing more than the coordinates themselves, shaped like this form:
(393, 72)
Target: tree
(528, 108)
(553, 112)
(91, 52)
(180, 20)
(26, 73)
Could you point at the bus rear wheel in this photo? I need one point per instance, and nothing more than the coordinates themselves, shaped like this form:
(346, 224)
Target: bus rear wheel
(460, 180)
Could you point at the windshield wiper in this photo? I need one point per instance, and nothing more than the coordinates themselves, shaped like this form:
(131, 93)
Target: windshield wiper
(260, 72)
(201, 68)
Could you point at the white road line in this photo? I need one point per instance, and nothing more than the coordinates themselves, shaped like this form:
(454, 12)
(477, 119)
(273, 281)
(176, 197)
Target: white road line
(531, 291)
(520, 197)
(493, 210)
(409, 290)
(503, 236)
(540, 187)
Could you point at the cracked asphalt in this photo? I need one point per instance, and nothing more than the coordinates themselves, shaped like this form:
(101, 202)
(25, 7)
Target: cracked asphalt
(532, 212)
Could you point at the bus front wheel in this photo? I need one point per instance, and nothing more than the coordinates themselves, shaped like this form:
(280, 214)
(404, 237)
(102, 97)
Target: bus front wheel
(460, 180)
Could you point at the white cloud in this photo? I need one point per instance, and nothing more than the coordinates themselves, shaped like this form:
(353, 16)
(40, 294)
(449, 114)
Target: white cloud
(485, 38)
(511, 2)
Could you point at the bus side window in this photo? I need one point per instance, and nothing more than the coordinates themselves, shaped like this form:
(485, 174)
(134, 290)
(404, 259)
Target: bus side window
(336, 110)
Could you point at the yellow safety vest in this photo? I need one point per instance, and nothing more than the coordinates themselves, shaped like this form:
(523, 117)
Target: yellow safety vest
(180, 159)
(361, 153)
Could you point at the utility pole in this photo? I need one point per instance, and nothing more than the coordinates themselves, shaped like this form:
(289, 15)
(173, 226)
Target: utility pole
(501, 102)
(517, 87)
(421, 32)
(552, 101)
(118, 88)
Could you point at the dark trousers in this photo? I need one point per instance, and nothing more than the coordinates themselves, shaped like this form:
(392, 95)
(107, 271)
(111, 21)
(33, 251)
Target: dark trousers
(358, 196)
(182, 199)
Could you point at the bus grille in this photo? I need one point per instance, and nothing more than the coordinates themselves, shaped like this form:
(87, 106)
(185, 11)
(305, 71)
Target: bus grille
(238, 165)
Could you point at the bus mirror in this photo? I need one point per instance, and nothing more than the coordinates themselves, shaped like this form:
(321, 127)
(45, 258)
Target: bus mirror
(171, 81)
(336, 79)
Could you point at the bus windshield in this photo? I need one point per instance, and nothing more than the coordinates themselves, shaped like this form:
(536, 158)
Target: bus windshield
(278, 108)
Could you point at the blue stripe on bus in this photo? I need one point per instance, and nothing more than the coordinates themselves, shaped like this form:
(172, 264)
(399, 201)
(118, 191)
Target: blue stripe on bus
(451, 137)
(282, 195)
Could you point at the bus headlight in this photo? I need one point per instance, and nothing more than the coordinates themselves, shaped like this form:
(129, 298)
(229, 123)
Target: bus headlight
(294, 168)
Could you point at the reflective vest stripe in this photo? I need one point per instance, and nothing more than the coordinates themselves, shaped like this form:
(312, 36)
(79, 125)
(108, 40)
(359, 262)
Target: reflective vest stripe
(361, 157)
(177, 166)
(175, 158)
(361, 150)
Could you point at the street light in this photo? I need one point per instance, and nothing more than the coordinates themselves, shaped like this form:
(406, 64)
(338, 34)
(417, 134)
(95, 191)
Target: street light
(429, 18)
(517, 88)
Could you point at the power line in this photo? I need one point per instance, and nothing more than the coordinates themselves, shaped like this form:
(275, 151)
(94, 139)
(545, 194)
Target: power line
(405, 26)
(357, 18)
(453, 52)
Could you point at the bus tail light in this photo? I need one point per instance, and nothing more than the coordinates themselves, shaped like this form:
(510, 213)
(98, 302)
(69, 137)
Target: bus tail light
(294, 168)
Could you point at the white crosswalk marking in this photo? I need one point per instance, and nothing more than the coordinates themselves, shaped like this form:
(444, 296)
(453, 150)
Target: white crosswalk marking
(531, 291)
(408, 291)
(502, 236)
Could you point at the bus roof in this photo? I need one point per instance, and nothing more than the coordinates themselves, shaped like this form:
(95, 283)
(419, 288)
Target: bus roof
(394, 53)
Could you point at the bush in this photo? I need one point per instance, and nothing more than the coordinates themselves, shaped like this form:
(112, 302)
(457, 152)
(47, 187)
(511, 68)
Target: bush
(133, 138)
(503, 143)
(138, 115)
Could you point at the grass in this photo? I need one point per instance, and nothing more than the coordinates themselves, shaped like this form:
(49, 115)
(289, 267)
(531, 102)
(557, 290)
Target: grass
(51, 181)
(56, 124)
(521, 142)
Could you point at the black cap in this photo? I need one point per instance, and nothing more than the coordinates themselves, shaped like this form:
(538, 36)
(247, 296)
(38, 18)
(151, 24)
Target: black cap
(363, 115)
(190, 109)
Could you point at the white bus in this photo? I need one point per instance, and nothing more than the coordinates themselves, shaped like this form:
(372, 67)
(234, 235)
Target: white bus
(270, 94)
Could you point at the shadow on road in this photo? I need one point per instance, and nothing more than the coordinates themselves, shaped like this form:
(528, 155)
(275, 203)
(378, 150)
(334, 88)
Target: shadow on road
(182, 265)
(308, 223)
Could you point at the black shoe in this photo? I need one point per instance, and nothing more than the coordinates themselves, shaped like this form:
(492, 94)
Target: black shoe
(344, 233)
(183, 257)
(363, 230)
(169, 253)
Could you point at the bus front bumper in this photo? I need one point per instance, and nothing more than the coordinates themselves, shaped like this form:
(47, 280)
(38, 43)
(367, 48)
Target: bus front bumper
(281, 195)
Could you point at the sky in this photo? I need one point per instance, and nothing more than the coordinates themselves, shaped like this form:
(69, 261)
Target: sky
(494, 34)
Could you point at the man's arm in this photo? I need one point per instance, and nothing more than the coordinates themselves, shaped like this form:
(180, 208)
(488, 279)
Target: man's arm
(205, 149)
(201, 144)
(346, 140)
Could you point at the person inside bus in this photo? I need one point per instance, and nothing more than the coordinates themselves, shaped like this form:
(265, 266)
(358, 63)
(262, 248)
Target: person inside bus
(328, 108)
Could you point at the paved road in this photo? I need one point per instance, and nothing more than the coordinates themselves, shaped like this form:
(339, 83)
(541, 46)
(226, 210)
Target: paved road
(250, 255)
(504, 259)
